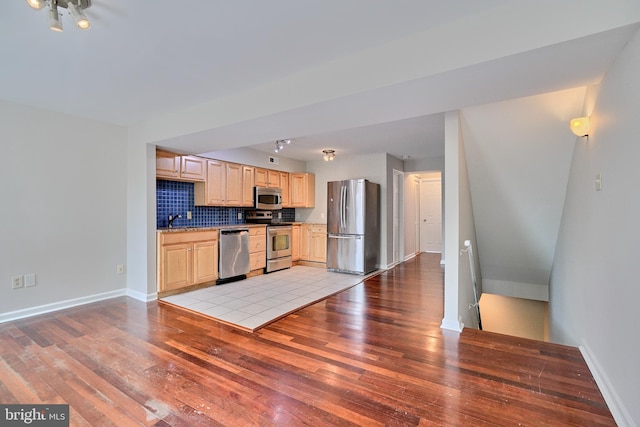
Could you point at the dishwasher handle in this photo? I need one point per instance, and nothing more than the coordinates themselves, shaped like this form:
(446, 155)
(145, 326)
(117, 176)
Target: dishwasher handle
(235, 231)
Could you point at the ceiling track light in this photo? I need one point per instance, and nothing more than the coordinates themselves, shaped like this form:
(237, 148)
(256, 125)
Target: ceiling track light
(280, 144)
(78, 15)
(54, 19)
(329, 155)
(76, 9)
(36, 4)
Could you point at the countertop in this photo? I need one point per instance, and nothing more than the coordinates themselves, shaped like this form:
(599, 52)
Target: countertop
(222, 227)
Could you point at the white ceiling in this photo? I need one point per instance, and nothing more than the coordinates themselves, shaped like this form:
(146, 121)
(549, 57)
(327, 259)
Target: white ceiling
(139, 62)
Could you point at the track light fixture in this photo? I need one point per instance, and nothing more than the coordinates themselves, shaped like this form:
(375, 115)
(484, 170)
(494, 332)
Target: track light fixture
(280, 144)
(78, 15)
(329, 155)
(76, 9)
(37, 4)
(54, 18)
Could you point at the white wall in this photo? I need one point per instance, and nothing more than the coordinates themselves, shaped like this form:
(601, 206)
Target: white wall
(519, 154)
(459, 226)
(426, 164)
(63, 216)
(374, 167)
(249, 156)
(595, 282)
(141, 221)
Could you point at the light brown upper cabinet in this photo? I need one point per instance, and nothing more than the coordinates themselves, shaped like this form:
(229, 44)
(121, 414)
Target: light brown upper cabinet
(302, 190)
(193, 168)
(211, 192)
(223, 186)
(284, 185)
(261, 177)
(179, 168)
(233, 185)
(274, 178)
(247, 185)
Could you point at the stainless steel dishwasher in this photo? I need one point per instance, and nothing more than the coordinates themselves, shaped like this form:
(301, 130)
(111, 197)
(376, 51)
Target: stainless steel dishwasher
(234, 254)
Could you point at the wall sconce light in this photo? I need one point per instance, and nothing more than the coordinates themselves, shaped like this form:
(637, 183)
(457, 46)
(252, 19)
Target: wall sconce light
(580, 126)
(329, 155)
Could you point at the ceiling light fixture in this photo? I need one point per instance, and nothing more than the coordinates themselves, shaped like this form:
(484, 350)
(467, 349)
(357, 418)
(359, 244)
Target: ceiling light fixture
(329, 155)
(78, 15)
(54, 18)
(37, 4)
(280, 144)
(580, 126)
(76, 9)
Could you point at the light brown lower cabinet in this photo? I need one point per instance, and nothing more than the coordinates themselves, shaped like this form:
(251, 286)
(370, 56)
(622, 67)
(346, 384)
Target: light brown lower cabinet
(295, 243)
(187, 258)
(257, 248)
(318, 249)
(313, 243)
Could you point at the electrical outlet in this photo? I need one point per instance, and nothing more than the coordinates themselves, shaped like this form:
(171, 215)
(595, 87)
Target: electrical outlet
(29, 280)
(189, 216)
(239, 215)
(17, 282)
(120, 268)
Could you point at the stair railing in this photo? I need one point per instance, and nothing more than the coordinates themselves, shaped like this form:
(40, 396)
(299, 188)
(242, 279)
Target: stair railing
(469, 250)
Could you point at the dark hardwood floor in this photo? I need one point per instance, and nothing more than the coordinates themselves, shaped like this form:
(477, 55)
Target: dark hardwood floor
(372, 355)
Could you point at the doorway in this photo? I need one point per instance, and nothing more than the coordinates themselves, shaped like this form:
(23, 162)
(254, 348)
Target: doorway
(431, 213)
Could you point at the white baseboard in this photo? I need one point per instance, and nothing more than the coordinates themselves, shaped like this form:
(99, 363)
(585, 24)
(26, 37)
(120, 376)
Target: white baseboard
(618, 410)
(410, 256)
(452, 325)
(60, 305)
(142, 296)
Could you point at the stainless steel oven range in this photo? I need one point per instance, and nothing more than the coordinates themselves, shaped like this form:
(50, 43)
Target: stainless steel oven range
(278, 239)
(278, 247)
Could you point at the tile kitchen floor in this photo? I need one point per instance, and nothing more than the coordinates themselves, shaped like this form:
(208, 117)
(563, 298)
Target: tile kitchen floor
(259, 300)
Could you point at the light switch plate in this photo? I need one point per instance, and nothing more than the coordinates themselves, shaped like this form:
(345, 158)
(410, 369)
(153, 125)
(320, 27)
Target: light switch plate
(29, 280)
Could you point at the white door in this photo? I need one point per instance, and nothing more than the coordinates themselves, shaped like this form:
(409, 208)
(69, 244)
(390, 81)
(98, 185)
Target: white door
(430, 215)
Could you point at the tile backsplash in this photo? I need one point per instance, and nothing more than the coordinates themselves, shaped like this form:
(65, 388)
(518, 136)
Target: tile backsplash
(176, 198)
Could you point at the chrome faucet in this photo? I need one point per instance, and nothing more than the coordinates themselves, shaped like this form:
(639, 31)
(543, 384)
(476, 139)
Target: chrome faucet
(172, 218)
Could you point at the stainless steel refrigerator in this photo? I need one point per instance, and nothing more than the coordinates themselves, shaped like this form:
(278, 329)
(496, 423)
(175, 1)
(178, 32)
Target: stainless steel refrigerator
(353, 226)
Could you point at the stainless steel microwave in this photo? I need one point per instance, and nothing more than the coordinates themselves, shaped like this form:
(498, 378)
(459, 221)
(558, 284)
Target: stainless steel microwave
(267, 198)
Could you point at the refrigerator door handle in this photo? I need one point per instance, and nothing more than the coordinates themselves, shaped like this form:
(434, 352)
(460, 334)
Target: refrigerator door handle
(343, 201)
(334, 236)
